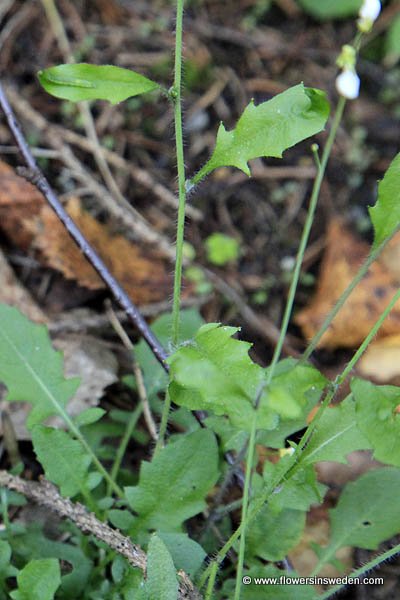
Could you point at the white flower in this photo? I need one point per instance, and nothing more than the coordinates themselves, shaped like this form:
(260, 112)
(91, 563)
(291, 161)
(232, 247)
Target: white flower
(348, 84)
(370, 10)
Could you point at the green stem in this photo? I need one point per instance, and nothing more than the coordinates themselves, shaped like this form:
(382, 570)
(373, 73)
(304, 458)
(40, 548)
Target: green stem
(378, 560)
(211, 581)
(245, 505)
(181, 171)
(133, 419)
(175, 94)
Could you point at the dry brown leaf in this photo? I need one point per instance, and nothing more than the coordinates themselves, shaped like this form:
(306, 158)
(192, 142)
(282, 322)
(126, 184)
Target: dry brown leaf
(30, 223)
(343, 257)
(381, 361)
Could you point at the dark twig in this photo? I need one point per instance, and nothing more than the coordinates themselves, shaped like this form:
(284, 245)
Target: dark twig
(33, 174)
(46, 494)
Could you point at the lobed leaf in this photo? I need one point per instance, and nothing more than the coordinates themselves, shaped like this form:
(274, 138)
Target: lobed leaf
(161, 582)
(366, 513)
(82, 81)
(385, 214)
(31, 369)
(378, 419)
(269, 128)
(215, 373)
(173, 486)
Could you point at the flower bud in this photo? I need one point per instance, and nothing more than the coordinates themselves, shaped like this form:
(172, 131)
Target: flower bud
(348, 84)
(370, 9)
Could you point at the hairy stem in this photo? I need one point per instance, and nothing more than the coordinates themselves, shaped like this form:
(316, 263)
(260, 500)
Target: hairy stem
(175, 94)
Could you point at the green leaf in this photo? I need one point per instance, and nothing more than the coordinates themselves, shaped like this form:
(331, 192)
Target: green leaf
(39, 580)
(215, 372)
(293, 388)
(161, 583)
(6, 568)
(82, 81)
(64, 460)
(221, 249)
(172, 487)
(273, 533)
(34, 544)
(30, 368)
(331, 9)
(336, 435)
(367, 513)
(269, 128)
(187, 554)
(299, 492)
(378, 419)
(385, 214)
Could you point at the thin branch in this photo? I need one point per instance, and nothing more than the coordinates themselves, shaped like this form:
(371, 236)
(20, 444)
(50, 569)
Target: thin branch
(46, 494)
(36, 177)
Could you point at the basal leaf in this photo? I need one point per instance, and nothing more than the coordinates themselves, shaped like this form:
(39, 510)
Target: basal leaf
(173, 486)
(83, 81)
(377, 417)
(273, 533)
(337, 434)
(268, 129)
(39, 580)
(30, 368)
(34, 544)
(331, 9)
(64, 460)
(385, 214)
(161, 582)
(367, 513)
